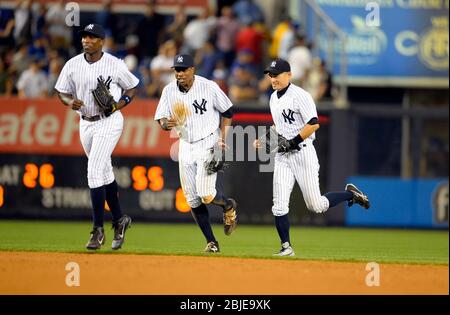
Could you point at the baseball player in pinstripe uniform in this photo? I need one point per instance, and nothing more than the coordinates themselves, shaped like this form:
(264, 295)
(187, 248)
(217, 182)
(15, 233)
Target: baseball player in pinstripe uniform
(295, 118)
(99, 130)
(208, 116)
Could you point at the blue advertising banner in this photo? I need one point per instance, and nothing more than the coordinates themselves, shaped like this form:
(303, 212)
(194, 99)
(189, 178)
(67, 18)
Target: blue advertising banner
(390, 42)
(418, 203)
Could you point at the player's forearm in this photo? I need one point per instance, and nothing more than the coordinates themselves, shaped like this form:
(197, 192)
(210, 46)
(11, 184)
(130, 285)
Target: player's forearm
(126, 98)
(308, 130)
(66, 99)
(70, 101)
(225, 127)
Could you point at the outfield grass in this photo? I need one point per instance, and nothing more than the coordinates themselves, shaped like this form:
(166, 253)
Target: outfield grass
(311, 243)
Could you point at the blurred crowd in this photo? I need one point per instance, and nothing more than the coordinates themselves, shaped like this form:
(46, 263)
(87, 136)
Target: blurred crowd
(231, 46)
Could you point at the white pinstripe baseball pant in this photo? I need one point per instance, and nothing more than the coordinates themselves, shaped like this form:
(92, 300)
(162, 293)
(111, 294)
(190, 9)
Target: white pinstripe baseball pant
(301, 166)
(99, 138)
(195, 182)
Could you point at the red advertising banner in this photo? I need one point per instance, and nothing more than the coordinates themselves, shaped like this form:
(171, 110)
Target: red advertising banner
(46, 126)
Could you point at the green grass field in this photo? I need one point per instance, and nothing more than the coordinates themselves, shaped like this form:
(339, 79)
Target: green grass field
(310, 243)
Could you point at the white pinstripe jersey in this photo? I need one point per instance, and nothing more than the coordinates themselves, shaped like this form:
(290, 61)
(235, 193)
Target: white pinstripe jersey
(205, 101)
(79, 78)
(292, 111)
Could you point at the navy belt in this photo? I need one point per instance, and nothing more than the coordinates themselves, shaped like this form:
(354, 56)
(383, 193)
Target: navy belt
(201, 138)
(94, 118)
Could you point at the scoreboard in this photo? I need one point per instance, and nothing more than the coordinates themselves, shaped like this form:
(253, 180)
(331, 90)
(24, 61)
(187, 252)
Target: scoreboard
(56, 186)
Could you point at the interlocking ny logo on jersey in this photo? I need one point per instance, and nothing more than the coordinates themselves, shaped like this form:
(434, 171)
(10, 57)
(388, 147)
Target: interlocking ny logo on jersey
(200, 107)
(289, 117)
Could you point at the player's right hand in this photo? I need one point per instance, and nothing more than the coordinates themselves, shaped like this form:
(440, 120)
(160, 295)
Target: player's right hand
(76, 104)
(257, 144)
(167, 124)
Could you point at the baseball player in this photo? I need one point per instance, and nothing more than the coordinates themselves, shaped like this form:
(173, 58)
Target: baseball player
(100, 129)
(295, 120)
(208, 116)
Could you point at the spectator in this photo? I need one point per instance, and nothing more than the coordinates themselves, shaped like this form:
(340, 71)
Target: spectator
(249, 37)
(107, 18)
(6, 85)
(176, 28)
(265, 90)
(7, 23)
(38, 23)
(23, 18)
(145, 86)
(150, 31)
(55, 66)
(244, 58)
(277, 36)
(300, 60)
(206, 60)
(243, 85)
(110, 46)
(319, 81)
(20, 60)
(33, 82)
(60, 34)
(227, 28)
(132, 64)
(198, 31)
(287, 41)
(220, 76)
(161, 67)
(39, 48)
(247, 11)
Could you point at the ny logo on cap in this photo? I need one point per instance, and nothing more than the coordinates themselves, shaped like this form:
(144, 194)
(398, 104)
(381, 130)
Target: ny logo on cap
(90, 26)
(274, 64)
(180, 59)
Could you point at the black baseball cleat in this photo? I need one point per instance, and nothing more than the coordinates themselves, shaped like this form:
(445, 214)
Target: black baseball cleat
(230, 218)
(358, 197)
(97, 238)
(212, 247)
(120, 227)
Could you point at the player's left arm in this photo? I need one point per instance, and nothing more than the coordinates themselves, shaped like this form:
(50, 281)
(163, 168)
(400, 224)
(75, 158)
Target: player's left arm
(128, 82)
(225, 123)
(309, 112)
(126, 98)
(224, 105)
(309, 128)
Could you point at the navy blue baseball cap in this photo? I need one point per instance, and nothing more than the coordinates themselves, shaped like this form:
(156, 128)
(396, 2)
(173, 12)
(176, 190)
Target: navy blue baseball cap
(183, 61)
(93, 29)
(277, 67)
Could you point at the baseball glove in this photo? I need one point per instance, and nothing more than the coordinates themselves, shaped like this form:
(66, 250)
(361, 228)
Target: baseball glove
(270, 140)
(103, 97)
(285, 145)
(217, 161)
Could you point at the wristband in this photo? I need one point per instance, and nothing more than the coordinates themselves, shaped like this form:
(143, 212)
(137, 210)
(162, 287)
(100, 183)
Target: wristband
(126, 98)
(297, 140)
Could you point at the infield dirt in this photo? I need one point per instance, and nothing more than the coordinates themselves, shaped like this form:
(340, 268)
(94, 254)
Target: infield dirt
(45, 273)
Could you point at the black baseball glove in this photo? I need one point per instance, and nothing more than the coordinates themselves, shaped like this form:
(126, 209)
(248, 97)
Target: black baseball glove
(217, 161)
(103, 97)
(285, 145)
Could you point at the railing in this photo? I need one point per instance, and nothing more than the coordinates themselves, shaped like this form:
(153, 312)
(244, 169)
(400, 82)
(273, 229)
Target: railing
(333, 32)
